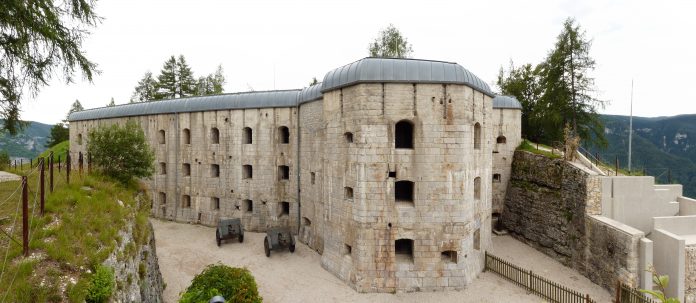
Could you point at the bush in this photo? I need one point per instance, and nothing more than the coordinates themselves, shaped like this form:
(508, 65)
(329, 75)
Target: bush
(101, 286)
(234, 284)
(121, 152)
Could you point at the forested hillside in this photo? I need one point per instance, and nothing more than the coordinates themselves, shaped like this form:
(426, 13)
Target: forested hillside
(28, 143)
(664, 146)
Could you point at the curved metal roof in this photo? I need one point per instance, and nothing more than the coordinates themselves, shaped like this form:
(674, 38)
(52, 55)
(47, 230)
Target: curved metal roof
(264, 99)
(506, 102)
(311, 93)
(378, 70)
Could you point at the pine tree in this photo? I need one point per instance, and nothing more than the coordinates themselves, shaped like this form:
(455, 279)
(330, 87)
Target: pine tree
(186, 81)
(75, 107)
(211, 84)
(112, 103)
(146, 89)
(167, 81)
(219, 81)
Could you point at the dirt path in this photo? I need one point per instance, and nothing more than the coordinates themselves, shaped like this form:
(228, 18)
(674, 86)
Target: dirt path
(5, 176)
(184, 250)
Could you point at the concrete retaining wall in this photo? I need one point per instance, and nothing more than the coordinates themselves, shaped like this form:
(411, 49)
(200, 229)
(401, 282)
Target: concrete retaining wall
(687, 206)
(669, 259)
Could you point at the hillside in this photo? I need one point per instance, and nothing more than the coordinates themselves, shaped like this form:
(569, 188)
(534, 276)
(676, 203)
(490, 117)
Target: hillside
(27, 144)
(661, 146)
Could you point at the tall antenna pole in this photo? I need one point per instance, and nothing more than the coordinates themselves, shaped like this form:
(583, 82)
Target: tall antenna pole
(630, 130)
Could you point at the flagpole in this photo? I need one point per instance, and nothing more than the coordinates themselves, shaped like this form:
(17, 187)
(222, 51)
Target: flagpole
(630, 130)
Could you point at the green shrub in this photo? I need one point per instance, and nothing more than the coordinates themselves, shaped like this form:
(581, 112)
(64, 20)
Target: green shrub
(101, 286)
(234, 284)
(4, 160)
(121, 152)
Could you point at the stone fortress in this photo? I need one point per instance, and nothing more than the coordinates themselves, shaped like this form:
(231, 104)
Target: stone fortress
(390, 168)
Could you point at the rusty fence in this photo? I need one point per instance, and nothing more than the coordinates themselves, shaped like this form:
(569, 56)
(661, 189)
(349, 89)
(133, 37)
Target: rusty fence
(534, 283)
(628, 294)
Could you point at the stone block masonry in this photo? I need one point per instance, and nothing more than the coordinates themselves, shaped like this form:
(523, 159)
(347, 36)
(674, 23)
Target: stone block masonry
(551, 205)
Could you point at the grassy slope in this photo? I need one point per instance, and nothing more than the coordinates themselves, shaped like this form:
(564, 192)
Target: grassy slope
(78, 232)
(60, 149)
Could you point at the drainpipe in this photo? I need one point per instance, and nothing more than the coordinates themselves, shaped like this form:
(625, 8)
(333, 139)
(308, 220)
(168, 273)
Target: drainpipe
(297, 149)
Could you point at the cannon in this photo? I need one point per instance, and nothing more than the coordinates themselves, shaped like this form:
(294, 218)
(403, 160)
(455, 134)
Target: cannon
(277, 238)
(229, 229)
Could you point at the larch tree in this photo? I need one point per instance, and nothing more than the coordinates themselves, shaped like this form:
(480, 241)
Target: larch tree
(40, 39)
(146, 90)
(167, 81)
(390, 44)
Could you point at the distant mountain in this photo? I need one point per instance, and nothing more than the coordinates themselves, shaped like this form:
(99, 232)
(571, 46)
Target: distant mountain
(27, 144)
(665, 147)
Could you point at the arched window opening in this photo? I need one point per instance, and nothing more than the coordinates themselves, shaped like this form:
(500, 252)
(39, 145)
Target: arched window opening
(283, 172)
(186, 201)
(477, 188)
(501, 140)
(348, 137)
(248, 206)
(247, 172)
(215, 135)
(161, 136)
(477, 136)
(283, 209)
(403, 134)
(449, 256)
(306, 221)
(348, 192)
(246, 136)
(403, 191)
(186, 136)
(347, 250)
(284, 135)
(215, 203)
(79, 139)
(403, 250)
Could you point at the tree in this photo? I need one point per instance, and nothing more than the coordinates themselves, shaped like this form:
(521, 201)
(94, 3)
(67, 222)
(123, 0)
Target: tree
(112, 103)
(390, 44)
(38, 39)
(212, 84)
(568, 87)
(121, 152)
(75, 107)
(314, 81)
(59, 133)
(186, 85)
(167, 82)
(146, 90)
(558, 92)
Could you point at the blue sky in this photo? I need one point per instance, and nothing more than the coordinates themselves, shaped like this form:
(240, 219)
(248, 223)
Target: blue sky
(268, 45)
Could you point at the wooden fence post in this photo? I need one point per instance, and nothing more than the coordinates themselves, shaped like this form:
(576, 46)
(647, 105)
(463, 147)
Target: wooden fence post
(67, 168)
(42, 184)
(58, 163)
(50, 172)
(25, 217)
(617, 165)
(618, 291)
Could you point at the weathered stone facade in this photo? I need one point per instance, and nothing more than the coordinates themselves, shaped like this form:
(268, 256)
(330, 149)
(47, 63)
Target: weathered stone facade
(507, 136)
(690, 279)
(550, 205)
(389, 180)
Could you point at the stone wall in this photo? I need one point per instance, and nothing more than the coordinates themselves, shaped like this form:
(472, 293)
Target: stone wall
(690, 279)
(444, 216)
(506, 126)
(550, 205)
(136, 270)
(170, 188)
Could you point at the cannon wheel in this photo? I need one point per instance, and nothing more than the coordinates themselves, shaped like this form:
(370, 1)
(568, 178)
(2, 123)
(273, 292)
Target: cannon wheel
(241, 238)
(217, 237)
(266, 248)
(292, 248)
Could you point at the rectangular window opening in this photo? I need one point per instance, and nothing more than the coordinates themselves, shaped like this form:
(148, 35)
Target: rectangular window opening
(403, 249)
(283, 172)
(248, 206)
(215, 170)
(247, 172)
(215, 203)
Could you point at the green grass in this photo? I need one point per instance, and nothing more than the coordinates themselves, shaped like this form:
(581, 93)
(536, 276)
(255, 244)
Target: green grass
(77, 233)
(60, 149)
(526, 145)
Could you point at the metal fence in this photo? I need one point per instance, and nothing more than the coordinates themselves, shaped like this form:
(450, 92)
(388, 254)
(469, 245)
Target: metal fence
(536, 284)
(628, 294)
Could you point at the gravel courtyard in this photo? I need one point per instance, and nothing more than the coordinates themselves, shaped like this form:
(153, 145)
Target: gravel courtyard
(184, 250)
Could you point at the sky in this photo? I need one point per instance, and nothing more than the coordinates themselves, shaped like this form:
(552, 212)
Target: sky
(266, 45)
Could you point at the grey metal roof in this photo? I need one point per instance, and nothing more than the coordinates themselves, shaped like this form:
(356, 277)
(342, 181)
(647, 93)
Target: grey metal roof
(264, 99)
(378, 70)
(311, 93)
(506, 102)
